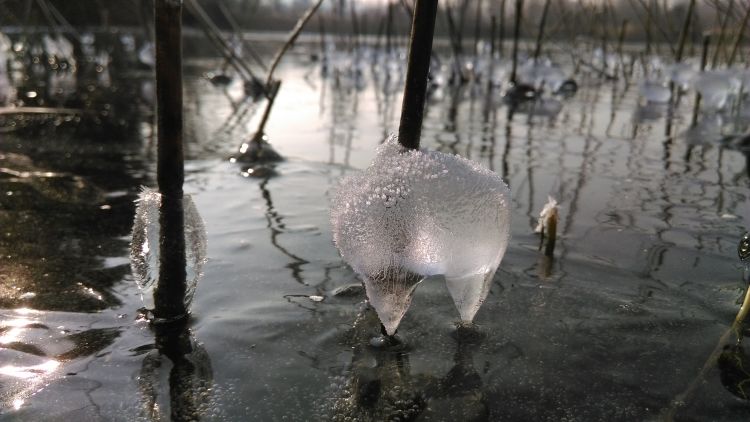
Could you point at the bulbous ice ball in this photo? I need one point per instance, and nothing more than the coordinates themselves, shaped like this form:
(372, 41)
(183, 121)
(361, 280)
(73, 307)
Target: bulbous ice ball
(415, 213)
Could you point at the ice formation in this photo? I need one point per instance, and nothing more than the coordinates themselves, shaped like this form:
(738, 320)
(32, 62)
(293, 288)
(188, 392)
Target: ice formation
(144, 248)
(543, 74)
(682, 75)
(714, 88)
(549, 209)
(655, 91)
(414, 214)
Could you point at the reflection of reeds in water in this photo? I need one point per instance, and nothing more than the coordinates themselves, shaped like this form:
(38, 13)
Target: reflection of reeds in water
(380, 384)
(188, 393)
(277, 226)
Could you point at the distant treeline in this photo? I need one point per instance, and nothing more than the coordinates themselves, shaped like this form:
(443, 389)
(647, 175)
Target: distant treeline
(658, 21)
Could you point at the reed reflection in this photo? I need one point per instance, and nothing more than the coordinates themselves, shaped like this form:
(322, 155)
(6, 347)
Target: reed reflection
(380, 383)
(188, 393)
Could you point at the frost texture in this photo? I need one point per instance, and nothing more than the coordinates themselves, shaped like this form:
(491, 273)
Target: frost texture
(144, 248)
(414, 214)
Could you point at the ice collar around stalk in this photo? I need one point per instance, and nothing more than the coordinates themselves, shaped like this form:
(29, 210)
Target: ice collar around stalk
(416, 213)
(145, 259)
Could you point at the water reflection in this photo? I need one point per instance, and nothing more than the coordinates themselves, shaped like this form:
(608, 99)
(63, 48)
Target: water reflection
(380, 383)
(276, 225)
(185, 363)
(641, 258)
(35, 351)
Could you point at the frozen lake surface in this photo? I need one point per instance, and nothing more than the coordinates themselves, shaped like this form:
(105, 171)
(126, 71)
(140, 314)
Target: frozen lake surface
(644, 282)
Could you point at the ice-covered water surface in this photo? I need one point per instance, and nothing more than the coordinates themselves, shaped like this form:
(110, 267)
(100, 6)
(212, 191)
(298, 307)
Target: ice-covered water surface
(644, 280)
(416, 213)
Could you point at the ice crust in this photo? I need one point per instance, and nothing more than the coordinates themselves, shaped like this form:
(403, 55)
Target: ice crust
(144, 247)
(414, 214)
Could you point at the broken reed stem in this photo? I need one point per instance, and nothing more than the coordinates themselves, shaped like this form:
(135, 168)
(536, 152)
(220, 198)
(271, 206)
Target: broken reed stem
(170, 290)
(540, 33)
(236, 28)
(684, 31)
(516, 36)
(214, 35)
(742, 314)
(713, 358)
(551, 229)
(272, 91)
(415, 88)
(292, 37)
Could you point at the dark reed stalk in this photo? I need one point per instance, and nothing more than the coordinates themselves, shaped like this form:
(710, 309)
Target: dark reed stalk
(550, 228)
(493, 30)
(540, 32)
(143, 9)
(477, 27)
(389, 30)
(605, 34)
(620, 42)
(649, 23)
(740, 36)
(214, 35)
(722, 31)
(455, 42)
(272, 91)
(322, 33)
(704, 61)
(501, 40)
(516, 36)
(355, 26)
(415, 88)
(170, 290)
(407, 9)
(379, 34)
(685, 30)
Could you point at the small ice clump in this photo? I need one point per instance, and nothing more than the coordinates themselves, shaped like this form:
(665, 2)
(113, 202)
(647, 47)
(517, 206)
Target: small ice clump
(414, 214)
(714, 88)
(550, 209)
(144, 248)
(682, 75)
(543, 74)
(655, 91)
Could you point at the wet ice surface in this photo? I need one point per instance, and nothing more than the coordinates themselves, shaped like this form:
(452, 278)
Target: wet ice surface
(644, 282)
(415, 214)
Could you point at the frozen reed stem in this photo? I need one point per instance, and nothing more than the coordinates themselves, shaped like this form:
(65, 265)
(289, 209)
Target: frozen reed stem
(516, 36)
(171, 287)
(415, 88)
